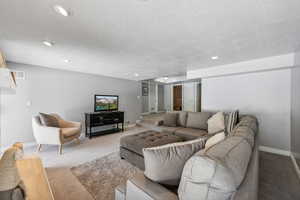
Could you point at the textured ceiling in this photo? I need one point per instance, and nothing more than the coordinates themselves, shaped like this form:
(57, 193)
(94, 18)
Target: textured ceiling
(150, 37)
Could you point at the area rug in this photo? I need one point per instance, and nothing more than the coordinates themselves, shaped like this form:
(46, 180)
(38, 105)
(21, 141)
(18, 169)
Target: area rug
(100, 177)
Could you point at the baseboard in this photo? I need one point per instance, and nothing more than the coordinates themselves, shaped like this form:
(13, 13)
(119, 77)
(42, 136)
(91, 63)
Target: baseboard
(295, 165)
(274, 150)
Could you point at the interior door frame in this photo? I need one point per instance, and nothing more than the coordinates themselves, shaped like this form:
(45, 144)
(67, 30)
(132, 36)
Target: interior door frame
(172, 96)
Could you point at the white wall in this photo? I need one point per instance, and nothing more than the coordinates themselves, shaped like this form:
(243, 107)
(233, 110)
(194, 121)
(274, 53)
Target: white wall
(266, 95)
(168, 97)
(152, 97)
(68, 93)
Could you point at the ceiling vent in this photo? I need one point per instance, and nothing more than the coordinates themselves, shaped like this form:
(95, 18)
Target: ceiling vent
(7, 77)
(20, 75)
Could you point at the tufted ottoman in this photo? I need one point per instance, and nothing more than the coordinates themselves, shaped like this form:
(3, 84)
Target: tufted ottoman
(131, 146)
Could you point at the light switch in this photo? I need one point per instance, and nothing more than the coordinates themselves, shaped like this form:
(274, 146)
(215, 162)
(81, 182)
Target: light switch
(28, 103)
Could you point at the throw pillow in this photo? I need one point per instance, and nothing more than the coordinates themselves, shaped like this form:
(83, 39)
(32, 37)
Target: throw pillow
(216, 123)
(164, 164)
(214, 140)
(232, 121)
(198, 120)
(170, 119)
(49, 120)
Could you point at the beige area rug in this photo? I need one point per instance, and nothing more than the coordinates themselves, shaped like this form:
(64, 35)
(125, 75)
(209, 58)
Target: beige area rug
(100, 177)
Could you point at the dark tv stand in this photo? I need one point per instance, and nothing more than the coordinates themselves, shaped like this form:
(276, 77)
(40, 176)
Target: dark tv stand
(97, 119)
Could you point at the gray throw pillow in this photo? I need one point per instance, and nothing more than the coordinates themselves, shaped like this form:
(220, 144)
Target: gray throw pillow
(170, 119)
(198, 120)
(49, 120)
(164, 164)
(232, 121)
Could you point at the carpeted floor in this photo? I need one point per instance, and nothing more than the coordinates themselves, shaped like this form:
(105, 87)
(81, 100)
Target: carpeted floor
(102, 176)
(277, 178)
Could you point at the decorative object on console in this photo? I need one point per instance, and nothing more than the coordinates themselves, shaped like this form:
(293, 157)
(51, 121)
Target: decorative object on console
(216, 123)
(164, 164)
(7, 77)
(65, 132)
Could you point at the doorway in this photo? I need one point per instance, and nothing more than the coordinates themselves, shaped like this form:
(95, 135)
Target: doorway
(177, 97)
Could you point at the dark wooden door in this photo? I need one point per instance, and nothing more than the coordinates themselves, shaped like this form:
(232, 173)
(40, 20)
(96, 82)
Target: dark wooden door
(177, 97)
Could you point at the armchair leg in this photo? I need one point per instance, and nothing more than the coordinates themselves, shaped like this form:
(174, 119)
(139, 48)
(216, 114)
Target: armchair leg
(60, 149)
(39, 147)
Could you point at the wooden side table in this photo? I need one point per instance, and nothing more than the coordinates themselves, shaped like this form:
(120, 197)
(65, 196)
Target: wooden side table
(35, 179)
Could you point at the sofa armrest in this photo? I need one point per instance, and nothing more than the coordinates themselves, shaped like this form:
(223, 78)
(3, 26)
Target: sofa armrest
(47, 135)
(142, 188)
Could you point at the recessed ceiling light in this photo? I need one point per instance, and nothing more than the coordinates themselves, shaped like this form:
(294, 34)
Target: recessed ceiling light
(67, 61)
(166, 78)
(215, 57)
(60, 10)
(136, 74)
(48, 43)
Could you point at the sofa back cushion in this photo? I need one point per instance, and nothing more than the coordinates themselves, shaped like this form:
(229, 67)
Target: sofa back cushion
(181, 120)
(232, 121)
(198, 120)
(216, 173)
(164, 164)
(170, 119)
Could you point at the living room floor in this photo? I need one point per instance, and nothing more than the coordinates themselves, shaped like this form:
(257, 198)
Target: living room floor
(278, 179)
(64, 184)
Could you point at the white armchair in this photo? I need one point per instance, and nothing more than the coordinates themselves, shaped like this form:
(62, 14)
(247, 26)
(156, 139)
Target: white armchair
(66, 132)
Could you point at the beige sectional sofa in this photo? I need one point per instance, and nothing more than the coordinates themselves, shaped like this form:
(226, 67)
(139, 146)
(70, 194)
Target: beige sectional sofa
(225, 171)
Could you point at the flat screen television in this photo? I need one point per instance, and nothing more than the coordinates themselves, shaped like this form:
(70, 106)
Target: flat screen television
(106, 103)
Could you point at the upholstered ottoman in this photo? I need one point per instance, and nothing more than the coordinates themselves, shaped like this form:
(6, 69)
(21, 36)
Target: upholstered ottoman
(131, 146)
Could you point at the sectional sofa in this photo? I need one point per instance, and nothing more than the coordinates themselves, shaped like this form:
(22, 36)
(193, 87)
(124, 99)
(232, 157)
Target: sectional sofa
(225, 171)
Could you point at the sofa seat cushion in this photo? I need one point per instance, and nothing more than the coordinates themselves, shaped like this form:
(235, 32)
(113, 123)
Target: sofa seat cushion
(164, 164)
(168, 129)
(69, 132)
(147, 139)
(190, 133)
(198, 120)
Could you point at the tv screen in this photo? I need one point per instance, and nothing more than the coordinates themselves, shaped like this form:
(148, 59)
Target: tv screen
(106, 102)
